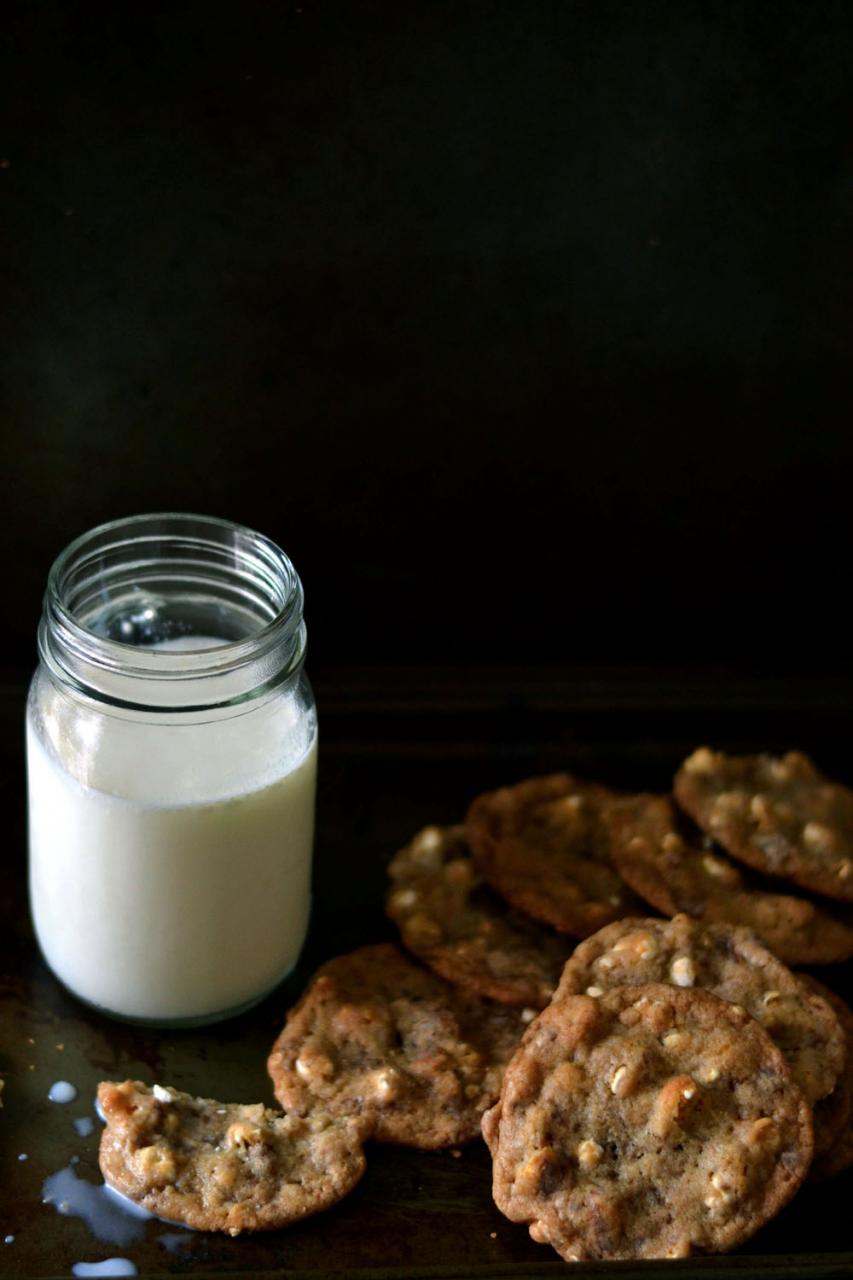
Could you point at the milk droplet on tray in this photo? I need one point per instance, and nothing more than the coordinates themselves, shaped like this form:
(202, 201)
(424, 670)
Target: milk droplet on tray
(109, 1267)
(175, 1241)
(62, 1091)
(107, 1215)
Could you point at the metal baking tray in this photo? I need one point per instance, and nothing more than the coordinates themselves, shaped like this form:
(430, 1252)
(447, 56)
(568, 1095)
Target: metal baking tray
(399, 749)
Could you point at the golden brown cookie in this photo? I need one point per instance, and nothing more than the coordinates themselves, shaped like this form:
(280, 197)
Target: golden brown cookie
(543, 845)
(652, 1122)
(731, 963)
(413, 1060)
(659, 863)
(833, 1116)
(779, 815)
(449, 918)
(219, 1167)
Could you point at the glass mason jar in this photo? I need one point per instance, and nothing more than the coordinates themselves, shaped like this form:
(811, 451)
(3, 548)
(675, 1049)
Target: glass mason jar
(171, 756)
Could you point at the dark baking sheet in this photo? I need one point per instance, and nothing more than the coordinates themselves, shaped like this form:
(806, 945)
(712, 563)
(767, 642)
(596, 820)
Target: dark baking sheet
(399, 749)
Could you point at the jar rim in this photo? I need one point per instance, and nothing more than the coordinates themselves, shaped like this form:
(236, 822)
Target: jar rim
(249, 565)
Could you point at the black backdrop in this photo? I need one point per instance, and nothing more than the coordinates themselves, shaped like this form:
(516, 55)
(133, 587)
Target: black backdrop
(522, 326)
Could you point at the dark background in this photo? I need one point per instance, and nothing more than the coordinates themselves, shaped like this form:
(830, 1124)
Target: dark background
(523, 327)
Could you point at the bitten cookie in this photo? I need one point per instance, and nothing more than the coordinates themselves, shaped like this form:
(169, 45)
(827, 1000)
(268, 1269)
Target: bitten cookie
(543, 846)
(457, 925)
(780, 816)
(219, 1167)
(731, 963)
(413, 1060)
(654, 858)
(652, 1122)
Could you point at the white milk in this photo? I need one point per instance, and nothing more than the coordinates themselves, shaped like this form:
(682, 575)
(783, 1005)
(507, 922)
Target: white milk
(170, 863)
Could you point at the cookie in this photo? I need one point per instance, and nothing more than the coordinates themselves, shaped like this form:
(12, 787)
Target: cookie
(731, 963)
(780, 816)
(458, 926)
(218, 1167)
(543, 846)
(833, 1116)
(663, 867)
(413, 1060)
(652, 1122)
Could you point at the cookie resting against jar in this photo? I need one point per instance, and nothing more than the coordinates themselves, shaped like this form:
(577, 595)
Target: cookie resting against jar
(171, 755)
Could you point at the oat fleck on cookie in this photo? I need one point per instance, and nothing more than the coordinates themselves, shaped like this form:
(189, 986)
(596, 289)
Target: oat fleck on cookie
(682, 972)
(671, 1107)
(617, 1081)
(225, 1168)
(386, 1084)
(669, 1168)
(715, 867)
(589, 1153)
(762, 1131)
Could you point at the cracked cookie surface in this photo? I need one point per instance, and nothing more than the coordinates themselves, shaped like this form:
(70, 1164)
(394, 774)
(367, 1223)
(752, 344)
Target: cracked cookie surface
(652, 1122)
(452, 920)
(223, 1167)
(673, 875)
(777, 814)
(412, 1059)
(731, 963)
(542, 844)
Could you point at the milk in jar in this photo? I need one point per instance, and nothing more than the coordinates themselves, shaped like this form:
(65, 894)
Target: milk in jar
(172, 747)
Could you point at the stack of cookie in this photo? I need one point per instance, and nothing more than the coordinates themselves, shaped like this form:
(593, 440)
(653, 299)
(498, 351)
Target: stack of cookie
(581, 1151)
(647, 1087)
(663, 1102)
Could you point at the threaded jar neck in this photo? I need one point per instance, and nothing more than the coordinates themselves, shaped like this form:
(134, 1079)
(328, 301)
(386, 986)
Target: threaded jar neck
(172, 612)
